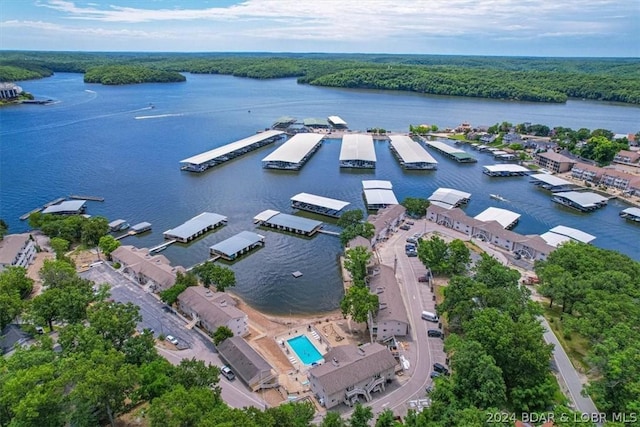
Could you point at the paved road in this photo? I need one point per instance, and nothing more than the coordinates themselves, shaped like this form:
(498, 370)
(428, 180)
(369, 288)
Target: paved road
(192, 344)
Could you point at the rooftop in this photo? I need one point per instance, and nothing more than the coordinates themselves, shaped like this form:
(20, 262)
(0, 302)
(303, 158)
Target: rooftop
(237, 243)
(585, 199)
(229, 148)
(66, 206)
(374, 183)
(295, 149)
(11, 245)
(573, 233)
(385, 286)
(556, 157)
(504, 217)
(324, 202)
(290, 221)
(337, 121)
(196, 224)
(410, 151)
(449, 196)
(244, 360)
(357, 147)
(506, 168)
(380, 197)
(550, 179)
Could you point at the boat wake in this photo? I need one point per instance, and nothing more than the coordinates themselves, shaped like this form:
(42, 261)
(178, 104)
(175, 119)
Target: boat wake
(158, 116)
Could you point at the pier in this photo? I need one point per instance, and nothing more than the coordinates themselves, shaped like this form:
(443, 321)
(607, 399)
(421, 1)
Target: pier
(505, 170)
(162, 246)
(453, 153)
(54, 202)
(561, 234)
(582, 201)
(235, 246)
(449, 198)
(65, 207)
(551, 182)
(411, 154)
(28, 214)
(92, 198)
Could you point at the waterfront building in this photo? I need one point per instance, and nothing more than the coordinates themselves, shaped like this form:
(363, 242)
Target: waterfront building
(247, 364)
(586, 172)
(456, 154)
(146, 269)
(627, 157)
(378, 194)
(195, 227)
(285, 222)
(357, 151)
(506, 218)
(9, 91)
(618, 179)
(210, 310)
(294, 153)
(17, 250)
(204, 161)
(561, 234)
(411, 154)
(555, 162)
(318, 204)
(237, 245)
(585, 201)
(385, 221)
(67, 207)
(505, 170)
(551, 182)
(352, 373)
(449, 198)
(337, 123)
(390, 320)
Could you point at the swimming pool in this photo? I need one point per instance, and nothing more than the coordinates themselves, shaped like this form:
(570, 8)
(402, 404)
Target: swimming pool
(305, 350)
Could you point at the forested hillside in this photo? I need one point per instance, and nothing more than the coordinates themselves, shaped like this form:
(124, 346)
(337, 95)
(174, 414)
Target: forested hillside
(524, 79)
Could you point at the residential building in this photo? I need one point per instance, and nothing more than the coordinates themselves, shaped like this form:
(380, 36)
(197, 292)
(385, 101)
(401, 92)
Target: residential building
(617, 179)
(17, 250)
(352, 373)
(11, 337)
(628, 157)
(385, 221)
(586, 172)
(210, 310)
(146, 269)
(391, 318)
(555, 162)
(247, 363)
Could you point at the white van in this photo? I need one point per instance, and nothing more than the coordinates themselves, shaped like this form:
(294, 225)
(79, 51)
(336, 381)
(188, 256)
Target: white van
(429, 316)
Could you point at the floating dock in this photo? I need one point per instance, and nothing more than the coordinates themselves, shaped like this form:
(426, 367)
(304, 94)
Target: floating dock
(67, 207)
(551, 182)
(54, 202)
(161, 246)
(91, 198)
(378, 194)
(506, 170)
(506, 218)
(583, 201)
(294, 153)
(453, 153)
(357, 151)
(139, 228)
(411, 154)
(318, 204)
(449, 198)
(561, 234)
(285, 222)
(208, 159)
(631, 214)
(195, 227)
(118, 225)
(28, 214)
(235, 246)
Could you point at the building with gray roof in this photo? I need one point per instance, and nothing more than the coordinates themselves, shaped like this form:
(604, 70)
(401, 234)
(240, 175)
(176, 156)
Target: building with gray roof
(337, 122)
(146, 269)
(17, 250)
(584, 201)
(632, 214)
(318, 204)
(357, 151)
(352, 373)
(247, 363)
(210, 310)
(67, 207)
(141, 227)
(449, 198)
(285, 222)
(390, 320)
(411, 154)
(561, 234)
(237, 245)
(454, 153)
(506, 218)
(294, 153)
(196, 226)
(378, 194)
(551, 182)
(385, 221)
(505, 170)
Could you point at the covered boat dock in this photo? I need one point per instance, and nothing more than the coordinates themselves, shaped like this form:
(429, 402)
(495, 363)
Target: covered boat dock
(203, 161)
(449, 198)
(632, 214)
(283, 122)
(378, 194)
(561, 234)
(506, 218)
(337, 123)
(285, 222)
(118, 225)
(357, 151)
(505, 170)
(231, 248)
(318, 204)
(294, 153)
(551, 182)
(67, 207)
(456, 154)
(196, 226)
(141, 227)
(584, 201)
(411, 154)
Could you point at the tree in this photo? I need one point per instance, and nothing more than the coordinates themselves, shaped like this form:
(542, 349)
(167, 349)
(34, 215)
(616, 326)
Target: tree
(213, 274)
(54, 273)
(386, 419)
(361, 416)
(351, 217)
(93, 229)
(194, 373)
(108, 244)
(358, 302)
(364, 229)
(140, 349)
(416, 207)
(292, 414)
(4, 228)
(16, 278)
(186, 279)
(355, 262)
(60, 246)
(14, 286)
(221, 334)
(333, 419)
(459, 257)
(170, 296)
(114, 321)
(434, 254)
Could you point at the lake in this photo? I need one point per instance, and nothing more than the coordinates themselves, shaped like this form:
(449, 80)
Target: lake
(107, 141)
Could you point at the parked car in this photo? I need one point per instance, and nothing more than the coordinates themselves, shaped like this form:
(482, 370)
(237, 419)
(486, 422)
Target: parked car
(404, 227)
(439, 367)
(423, 278)
(412, 254)
(228, 373)
(434, 333)
(434, 374)
(409, 247)
(412, 240)
(173, 340)
(409, 222)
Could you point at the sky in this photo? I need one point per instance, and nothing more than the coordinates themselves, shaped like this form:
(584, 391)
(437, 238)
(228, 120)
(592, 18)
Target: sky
(573, 28)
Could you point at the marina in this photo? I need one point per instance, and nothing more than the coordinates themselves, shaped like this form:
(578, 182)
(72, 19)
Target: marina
(583, 201)
(551, 182)
(285, 222)
(631, 214)
(506, 170)
(506, 218)
(357, 151)
(237, 245)
(67, 207)
(411, 154)
(378, 194)
(449, 198)
(453, 153)
(195, 227)
(318, 204)
(294, 153)
(208, 159)
(561, 234)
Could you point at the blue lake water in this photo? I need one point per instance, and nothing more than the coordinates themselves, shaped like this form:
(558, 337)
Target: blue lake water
(106, 141)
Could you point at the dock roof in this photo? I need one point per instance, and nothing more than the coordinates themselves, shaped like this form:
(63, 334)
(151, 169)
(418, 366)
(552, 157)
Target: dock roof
(632, 211)
(295, 149)
(445, 147)
(196, 225)
(66, 206)
(449, 196)
(554, 239)
(377, 196)
(550, 179)
(141, 226)
(506, 168)
(504, 217)
(357, 147)
(337, 121)
(284, 120)
(410, 151)
(312, 121)
(290, 221)
(324, 202)
(117, 223)
(237, 243)
(573, 233)
(585, 199)
(230, 148)
(376, 183)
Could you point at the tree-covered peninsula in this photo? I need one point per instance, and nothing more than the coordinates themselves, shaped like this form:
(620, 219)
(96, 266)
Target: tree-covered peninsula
(511, 78)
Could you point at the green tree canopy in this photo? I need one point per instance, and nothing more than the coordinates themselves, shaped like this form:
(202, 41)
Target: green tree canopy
(358, 302)
(213, 274)
(416, 207)
(221, 334)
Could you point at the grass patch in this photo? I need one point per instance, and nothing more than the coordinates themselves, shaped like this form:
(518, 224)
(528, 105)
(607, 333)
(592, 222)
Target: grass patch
(573, 343)
(459, 137)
